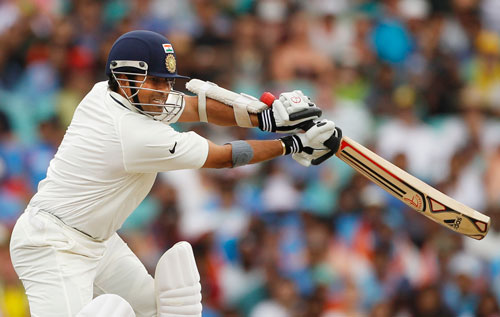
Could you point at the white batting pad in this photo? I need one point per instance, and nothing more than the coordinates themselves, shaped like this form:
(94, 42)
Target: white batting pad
(177, 283)
(242, 104)
(107, 305)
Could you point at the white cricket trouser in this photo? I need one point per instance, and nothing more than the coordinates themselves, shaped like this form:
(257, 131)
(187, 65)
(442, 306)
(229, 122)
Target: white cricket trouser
(62, 269)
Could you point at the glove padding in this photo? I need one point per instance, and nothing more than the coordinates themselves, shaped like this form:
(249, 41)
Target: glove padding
(288, 113)
(316, 145)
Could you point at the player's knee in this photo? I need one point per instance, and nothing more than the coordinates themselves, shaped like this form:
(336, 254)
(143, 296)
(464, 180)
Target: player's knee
(107, 305)
(177, 283)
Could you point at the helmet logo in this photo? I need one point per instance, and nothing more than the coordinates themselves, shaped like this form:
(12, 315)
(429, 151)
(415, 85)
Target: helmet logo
(168, 48)
(170, 63)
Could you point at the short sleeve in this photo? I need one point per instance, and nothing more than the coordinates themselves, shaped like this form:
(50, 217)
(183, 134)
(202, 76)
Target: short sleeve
(150, 146)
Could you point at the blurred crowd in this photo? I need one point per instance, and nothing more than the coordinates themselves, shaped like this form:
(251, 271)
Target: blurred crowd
(417, 81)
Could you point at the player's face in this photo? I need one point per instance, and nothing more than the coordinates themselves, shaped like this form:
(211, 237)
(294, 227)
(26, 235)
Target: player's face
(155, 97)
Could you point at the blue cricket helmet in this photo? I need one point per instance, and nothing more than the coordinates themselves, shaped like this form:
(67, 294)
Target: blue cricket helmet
(143, 54)
(144, 46)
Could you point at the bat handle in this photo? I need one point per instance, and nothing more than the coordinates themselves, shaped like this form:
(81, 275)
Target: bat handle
(268, 98)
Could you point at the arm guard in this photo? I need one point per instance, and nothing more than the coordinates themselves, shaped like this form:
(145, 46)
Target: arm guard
(242, 104)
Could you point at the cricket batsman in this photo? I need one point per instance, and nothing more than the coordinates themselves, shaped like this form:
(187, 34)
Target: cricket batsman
(65, 248)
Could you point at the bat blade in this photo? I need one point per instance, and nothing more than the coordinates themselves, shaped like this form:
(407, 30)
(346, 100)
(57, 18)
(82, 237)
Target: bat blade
(413, 192)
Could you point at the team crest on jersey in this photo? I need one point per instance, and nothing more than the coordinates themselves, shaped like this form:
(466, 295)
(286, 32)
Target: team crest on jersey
(168, 48)
(170, 63)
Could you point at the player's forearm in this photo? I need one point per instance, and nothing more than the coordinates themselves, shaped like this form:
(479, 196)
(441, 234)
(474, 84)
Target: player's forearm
(265, 150)
(217, 113)
(223, 115)
(221, 156)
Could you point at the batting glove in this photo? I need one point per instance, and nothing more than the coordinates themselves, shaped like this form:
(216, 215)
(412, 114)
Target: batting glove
(288, 113)
(317, 144)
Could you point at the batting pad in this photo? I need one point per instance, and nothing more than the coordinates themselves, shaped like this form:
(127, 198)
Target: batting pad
(242, 104)
(107, 305)
(177, 283)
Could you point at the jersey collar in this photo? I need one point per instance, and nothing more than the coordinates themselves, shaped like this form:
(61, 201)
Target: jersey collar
(118, 99)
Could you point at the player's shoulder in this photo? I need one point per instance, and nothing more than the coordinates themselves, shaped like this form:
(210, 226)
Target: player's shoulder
(137, 129)
(133, 118)
(97, 92)
(100, 87)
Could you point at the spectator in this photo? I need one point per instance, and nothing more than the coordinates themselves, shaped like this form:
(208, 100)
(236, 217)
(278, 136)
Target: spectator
(416, 80)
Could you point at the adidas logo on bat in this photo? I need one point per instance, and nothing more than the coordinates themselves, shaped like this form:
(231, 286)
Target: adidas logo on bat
(454, 223)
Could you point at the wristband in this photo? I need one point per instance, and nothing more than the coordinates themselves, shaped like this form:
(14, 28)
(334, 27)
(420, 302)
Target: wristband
(241, 153)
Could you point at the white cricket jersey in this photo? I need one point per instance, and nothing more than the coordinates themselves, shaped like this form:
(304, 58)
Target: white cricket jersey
(108, 161)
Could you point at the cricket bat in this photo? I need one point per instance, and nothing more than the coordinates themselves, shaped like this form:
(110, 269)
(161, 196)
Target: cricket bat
(413, 192)
(410, 190)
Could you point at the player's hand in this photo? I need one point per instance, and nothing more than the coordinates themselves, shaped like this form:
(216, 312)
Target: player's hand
(316, 145)
(288, 113)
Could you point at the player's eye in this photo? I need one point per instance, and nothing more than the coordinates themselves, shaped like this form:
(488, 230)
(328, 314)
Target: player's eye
(159, 80)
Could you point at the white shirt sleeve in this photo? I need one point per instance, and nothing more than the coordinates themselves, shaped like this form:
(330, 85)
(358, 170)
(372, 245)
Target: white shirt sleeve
(150, 146)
